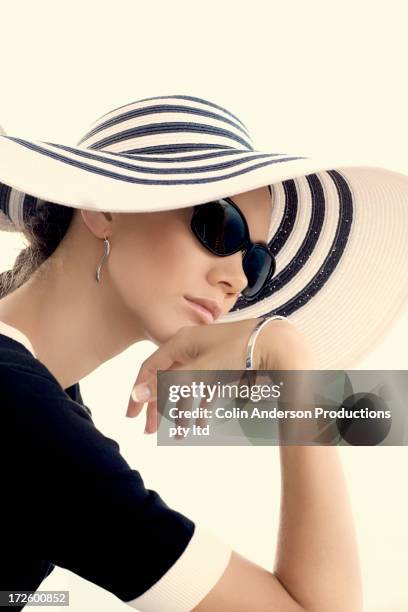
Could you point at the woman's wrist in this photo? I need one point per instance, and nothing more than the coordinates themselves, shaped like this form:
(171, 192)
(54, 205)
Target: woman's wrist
(260, 351)
(293, 352)
(278, 344)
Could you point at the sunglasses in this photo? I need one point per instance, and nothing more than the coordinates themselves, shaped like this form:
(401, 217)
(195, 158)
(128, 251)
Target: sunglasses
(221, 228)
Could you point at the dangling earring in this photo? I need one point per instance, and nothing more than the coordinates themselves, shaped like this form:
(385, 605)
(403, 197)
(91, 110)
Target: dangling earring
(106, 251)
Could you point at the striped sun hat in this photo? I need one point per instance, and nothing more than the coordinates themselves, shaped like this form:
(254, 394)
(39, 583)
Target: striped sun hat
(339, 231)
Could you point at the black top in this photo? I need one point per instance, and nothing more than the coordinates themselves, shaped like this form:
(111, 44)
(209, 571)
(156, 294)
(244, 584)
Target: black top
(69, 498)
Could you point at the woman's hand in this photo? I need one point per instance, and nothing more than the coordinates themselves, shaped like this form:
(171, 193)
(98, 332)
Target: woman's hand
(213, 347)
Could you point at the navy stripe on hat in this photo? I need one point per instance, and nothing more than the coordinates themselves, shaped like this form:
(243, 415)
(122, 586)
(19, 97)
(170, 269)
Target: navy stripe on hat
(134, 179)
(178, 97)
(162, 108)
(335, 251)
(148, 169)
(169, 127)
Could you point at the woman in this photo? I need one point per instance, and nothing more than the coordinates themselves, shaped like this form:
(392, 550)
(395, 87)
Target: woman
(68, 306)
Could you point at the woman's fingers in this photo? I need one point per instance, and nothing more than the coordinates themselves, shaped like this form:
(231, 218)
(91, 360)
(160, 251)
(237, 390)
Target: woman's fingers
(144, 391)
(176, 351)
(145, 388)
(137, 401)
(151, 418)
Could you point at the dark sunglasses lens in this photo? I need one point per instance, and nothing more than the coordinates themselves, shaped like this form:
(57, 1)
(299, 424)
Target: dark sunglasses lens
(259, 265)
(219, 226)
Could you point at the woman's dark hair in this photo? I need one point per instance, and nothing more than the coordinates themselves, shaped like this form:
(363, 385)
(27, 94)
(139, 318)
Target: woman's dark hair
(43, 231)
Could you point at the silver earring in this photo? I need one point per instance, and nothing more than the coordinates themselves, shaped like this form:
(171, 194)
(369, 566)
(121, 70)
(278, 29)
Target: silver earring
(106, 251)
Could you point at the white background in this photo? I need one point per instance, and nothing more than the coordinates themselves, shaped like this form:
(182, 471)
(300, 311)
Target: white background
(306, 77)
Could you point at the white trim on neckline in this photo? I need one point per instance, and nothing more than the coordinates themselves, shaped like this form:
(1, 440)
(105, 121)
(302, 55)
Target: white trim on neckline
(16, 334)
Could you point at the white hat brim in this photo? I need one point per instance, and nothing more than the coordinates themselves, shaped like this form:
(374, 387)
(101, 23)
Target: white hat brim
(363, 297)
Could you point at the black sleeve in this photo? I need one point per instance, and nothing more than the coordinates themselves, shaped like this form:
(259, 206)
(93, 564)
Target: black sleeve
(73, 498)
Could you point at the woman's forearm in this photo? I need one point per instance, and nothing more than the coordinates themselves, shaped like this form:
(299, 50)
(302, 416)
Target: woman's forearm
(317, 557)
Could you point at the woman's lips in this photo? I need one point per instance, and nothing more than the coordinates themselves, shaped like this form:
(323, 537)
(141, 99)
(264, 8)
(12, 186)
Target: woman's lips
(204, 313)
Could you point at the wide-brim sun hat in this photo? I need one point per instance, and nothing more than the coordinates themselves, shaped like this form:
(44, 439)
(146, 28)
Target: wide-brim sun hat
(339, 230)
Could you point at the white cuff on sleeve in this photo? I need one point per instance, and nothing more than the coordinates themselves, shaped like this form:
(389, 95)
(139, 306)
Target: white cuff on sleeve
(192, 576)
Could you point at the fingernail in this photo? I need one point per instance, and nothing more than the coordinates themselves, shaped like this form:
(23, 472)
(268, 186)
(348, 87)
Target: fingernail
(140, 393)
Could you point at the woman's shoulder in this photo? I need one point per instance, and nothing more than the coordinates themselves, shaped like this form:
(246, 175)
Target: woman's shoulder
(26, 382)
(39, 418)
(18, 368)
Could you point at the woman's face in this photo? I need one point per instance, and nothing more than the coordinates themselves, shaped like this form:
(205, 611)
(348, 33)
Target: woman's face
(156, 261)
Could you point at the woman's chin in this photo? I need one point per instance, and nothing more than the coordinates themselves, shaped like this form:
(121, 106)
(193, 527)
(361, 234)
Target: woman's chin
(160, 337)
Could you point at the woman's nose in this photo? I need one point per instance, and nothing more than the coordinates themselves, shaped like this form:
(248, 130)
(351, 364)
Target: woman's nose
(229, 271)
